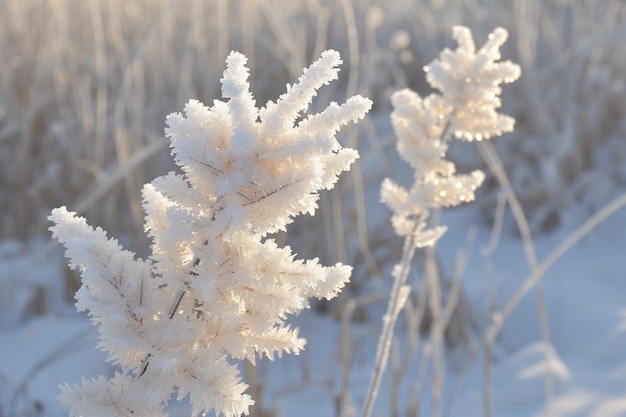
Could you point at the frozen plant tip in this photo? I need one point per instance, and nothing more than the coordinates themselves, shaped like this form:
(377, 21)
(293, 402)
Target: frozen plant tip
(469, 82)
(216, 287)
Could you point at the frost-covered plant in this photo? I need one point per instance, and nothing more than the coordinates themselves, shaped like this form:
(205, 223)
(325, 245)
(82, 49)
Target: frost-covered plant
(216, 288)
(469, 82)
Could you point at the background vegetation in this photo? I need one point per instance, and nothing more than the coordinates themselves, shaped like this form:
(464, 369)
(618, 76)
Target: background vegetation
(86, 85)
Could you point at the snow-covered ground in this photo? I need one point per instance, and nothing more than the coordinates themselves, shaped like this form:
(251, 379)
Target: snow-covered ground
(585, 297)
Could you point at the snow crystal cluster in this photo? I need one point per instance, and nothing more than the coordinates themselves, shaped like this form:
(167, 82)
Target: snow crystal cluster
(469, 82)
(216, 287)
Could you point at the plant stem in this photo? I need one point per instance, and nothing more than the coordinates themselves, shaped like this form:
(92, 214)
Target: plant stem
(399, 292)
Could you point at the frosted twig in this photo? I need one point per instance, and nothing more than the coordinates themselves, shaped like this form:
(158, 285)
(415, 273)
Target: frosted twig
(468, 80)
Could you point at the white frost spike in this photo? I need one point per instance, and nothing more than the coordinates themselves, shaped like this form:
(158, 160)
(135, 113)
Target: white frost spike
(216, 288)
(120, 396)
(242, 107)
(280, 116)
(103, 264)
